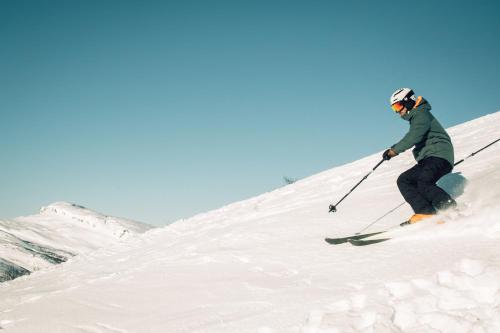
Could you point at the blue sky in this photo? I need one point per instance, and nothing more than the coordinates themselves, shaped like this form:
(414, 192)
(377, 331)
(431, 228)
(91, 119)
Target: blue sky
(158, 110)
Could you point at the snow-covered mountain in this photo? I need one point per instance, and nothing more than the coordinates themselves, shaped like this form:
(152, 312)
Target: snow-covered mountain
(261, 265)
(59, 232)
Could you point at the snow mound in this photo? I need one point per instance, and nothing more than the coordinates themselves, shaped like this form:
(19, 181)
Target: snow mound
(463, 299)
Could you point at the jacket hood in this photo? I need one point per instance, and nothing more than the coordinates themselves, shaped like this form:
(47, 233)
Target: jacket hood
(422, 104)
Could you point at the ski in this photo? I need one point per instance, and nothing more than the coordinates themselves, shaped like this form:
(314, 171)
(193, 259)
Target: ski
(360, 240)
(374, 240)
(363, 242)
(342, 240)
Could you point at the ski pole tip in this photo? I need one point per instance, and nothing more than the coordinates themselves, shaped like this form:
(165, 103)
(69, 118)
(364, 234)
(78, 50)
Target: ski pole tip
(333, 209)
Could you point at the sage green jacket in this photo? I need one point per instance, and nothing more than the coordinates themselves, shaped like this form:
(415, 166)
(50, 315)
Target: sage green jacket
(426, 134)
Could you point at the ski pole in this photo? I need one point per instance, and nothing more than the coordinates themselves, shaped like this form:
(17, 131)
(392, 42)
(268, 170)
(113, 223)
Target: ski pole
(333, 208)
(477, 151)
(380, 218)
(401, 204)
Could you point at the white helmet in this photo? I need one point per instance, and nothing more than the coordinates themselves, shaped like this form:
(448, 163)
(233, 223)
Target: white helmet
(406, 96)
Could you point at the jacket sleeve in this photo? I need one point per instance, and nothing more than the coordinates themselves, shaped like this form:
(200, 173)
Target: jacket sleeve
(419, 126)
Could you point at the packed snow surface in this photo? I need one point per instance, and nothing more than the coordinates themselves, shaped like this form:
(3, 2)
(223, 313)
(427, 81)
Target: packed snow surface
(262, 265)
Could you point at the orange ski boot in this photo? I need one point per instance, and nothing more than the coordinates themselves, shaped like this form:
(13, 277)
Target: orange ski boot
(416, 218)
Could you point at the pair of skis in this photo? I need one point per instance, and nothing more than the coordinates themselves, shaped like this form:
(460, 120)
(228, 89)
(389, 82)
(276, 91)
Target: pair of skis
(364, 239)
(359, 240)
(375, 237)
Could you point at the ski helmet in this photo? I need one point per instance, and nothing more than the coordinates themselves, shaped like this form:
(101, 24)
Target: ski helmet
(404, 97)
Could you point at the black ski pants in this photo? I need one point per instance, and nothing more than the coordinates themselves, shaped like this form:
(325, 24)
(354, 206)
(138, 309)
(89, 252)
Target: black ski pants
(418, 186)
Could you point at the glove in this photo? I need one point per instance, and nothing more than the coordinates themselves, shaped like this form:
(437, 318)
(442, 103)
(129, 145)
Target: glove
(388, 154)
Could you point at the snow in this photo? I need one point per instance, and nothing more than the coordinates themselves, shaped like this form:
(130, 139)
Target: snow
(261, 265)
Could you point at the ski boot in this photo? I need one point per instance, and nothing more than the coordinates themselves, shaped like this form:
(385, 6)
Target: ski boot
(416, 218)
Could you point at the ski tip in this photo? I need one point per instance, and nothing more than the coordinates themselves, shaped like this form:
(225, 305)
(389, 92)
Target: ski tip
(334, 241)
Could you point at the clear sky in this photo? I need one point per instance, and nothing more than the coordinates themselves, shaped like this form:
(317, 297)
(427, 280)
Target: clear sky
(158, 110)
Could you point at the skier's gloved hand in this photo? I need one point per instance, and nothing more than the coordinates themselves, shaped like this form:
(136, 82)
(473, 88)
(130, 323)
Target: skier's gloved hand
(388, 154)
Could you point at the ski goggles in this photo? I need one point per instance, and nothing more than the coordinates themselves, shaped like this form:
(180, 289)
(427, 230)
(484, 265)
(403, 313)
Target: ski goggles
(397, 107)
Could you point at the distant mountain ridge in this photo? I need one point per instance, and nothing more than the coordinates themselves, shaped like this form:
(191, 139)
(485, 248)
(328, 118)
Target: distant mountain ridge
(60, 231)
(118, 226)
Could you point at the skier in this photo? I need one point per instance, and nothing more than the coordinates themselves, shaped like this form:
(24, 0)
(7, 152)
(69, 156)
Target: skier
(432, 150)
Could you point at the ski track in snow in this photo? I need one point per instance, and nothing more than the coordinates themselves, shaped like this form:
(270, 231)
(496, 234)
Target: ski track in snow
(261, 265)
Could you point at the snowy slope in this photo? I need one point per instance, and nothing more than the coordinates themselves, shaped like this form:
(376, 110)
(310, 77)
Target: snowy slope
(261, 265)
(59, 232)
